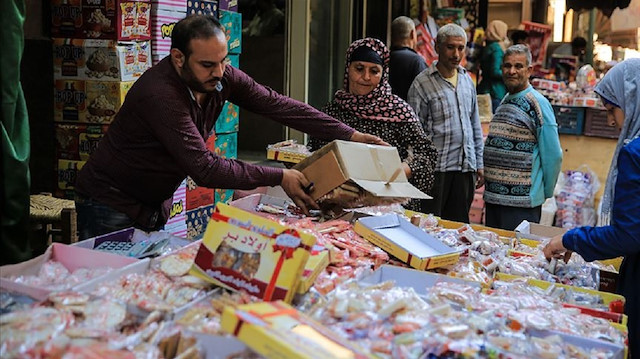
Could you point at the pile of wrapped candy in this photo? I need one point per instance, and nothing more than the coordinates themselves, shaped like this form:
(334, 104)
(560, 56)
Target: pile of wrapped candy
(500, 299)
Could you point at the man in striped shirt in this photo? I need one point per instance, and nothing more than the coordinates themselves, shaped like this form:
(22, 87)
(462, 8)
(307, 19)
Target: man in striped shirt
(444, 97)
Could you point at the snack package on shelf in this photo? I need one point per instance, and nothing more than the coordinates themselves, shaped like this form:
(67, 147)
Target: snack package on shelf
(287, 151)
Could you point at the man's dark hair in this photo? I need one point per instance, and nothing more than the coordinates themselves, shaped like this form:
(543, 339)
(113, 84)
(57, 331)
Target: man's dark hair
(579, 43)
(194, 27)
(519, 36)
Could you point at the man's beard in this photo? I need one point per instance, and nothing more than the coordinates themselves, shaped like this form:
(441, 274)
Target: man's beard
(194, 84)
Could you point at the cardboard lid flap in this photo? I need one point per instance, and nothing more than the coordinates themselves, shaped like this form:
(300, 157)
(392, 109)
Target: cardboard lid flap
(393, 189)
(369, 162)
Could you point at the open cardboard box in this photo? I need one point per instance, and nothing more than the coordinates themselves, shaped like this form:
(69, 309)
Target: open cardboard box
(140, 267)
(371, 167)
(537, 232)
(419, 280)
(72, 258)
(408, 243)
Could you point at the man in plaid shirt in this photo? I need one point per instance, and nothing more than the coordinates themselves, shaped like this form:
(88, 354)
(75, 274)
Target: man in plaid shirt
(444, 98)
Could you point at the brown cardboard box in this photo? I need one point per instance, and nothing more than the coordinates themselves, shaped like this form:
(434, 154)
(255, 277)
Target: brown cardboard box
(537, 232)
(371, 167)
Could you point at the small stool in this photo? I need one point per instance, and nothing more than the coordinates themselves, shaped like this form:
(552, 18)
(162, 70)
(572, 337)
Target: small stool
(51, 212)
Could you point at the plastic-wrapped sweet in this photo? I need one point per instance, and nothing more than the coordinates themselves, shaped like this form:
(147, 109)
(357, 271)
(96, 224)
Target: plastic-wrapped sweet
(458, 319)
(586, 77)
(575, 193)
(55, 276)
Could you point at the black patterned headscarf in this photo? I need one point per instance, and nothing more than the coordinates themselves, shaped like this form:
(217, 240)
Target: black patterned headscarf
(379, 104)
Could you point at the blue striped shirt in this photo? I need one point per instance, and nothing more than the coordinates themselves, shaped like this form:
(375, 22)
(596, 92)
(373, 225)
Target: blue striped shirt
(450, 118)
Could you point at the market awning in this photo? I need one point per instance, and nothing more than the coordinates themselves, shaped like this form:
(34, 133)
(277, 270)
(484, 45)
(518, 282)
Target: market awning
(606, 6)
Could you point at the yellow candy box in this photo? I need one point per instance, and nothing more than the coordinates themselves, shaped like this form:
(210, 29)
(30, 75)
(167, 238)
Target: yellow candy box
(277, 330)
(245, 252)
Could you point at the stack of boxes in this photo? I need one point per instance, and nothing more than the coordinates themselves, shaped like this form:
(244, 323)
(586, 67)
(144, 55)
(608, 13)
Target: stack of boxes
(198, 202)
(100, 48)
(166, 13)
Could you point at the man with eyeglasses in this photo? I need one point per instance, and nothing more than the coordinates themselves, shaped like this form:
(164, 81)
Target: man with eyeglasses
(158, 136)
(522, 153)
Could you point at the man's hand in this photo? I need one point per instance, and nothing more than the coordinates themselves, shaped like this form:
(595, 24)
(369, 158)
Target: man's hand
(555, 249)
(480, 179)
(367, 138)
(294, 183)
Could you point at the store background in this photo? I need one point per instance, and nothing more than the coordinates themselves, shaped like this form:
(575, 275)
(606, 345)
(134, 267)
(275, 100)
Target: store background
(306, 61)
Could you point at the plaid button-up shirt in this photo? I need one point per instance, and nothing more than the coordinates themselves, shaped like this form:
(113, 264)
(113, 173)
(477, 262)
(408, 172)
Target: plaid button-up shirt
(450, 118)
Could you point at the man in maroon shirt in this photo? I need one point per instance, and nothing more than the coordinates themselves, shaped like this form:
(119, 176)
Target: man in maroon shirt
(158, 136)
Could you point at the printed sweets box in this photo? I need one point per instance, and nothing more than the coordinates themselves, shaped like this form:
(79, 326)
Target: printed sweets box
(162, 23)
(101, 19)
(228, 120)
(67, 171)
(103, 60)
(197, 220)
(231, 5)
(77, 142)
(202, 7)
(198, 196)
(246, 252)
(177, 221)
(223, 195)
(232, 23)
(88, 101)
(227, 145)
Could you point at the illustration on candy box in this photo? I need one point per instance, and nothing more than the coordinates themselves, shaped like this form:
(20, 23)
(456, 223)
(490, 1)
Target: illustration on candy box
(246, 252)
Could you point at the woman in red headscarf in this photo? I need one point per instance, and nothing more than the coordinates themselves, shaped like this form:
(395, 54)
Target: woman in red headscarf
(367, 104)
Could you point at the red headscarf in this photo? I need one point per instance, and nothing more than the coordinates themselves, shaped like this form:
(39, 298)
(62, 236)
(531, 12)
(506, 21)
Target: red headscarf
(379, 104)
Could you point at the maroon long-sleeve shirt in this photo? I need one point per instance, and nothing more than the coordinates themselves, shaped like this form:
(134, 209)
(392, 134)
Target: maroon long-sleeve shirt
(158, 138)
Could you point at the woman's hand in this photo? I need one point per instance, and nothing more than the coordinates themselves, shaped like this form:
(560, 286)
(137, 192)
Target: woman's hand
(480, 178)
(555, 249)
(367, 138)
(407, 169)
(294, 183)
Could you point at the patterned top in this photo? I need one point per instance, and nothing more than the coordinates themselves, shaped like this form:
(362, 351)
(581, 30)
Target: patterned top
(522, 154)
(450, 118)
(387, 116)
